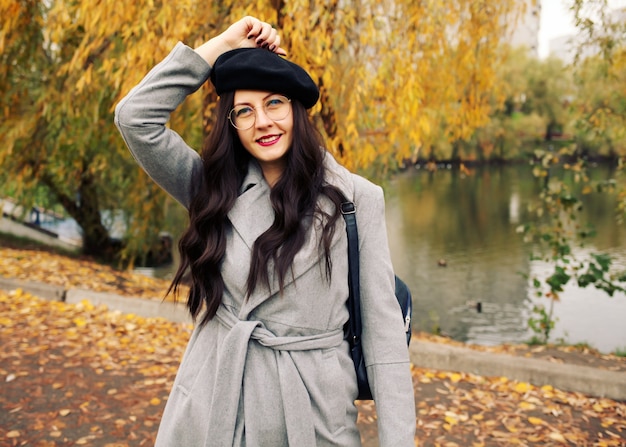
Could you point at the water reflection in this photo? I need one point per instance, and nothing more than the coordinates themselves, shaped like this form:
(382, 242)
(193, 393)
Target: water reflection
(468, 222)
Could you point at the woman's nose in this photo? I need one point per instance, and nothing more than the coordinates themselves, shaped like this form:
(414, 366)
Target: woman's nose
(262, 120)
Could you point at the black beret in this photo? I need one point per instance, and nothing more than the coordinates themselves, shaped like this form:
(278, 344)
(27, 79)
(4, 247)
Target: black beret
(259, 69)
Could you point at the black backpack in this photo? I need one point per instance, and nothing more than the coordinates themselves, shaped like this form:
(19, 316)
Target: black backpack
(354, 326)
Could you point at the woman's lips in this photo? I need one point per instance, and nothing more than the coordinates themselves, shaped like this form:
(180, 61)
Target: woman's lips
(268, 140)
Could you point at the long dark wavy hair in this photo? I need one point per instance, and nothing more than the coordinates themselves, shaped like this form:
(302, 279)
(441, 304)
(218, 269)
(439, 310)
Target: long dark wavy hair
(294, 199)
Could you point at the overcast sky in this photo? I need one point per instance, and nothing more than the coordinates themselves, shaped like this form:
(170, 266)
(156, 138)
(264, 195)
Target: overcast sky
(557, 20)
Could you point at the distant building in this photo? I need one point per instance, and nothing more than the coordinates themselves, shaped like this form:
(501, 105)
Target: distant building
(525, 28)
(564, 47)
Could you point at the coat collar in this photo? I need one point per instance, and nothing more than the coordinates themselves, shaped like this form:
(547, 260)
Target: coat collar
(253, 214)
(337, 175)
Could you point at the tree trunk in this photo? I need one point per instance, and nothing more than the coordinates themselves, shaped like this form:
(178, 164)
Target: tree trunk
(84, 209)
(96, 239)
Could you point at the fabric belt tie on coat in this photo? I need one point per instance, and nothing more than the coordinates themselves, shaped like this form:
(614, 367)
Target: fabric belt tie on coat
(227, 391)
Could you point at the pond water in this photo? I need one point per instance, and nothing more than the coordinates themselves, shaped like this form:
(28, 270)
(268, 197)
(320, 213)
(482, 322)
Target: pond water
(468, 223)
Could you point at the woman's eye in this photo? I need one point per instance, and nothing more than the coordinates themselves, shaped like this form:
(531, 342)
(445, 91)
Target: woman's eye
(274, 102)
(243, 112)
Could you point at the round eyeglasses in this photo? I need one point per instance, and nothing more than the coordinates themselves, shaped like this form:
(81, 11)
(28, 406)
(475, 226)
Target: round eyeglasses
(276, 107)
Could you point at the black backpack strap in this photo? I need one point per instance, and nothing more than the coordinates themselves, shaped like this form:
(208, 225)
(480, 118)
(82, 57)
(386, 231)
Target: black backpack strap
(354, 326)
(348, 210)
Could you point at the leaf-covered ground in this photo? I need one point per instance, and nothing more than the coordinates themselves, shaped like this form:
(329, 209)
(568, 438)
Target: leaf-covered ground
(76, 272)
(84, 375)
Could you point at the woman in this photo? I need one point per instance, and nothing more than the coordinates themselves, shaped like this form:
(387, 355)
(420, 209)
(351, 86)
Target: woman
(267, 364)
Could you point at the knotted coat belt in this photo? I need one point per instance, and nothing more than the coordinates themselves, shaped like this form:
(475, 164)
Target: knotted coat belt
(230, 371)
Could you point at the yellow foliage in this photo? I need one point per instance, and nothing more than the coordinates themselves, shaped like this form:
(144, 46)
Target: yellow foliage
(395, 76)
(390, 72)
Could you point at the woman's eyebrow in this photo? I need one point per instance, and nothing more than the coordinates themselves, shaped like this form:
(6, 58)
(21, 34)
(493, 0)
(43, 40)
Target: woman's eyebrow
(246, 103)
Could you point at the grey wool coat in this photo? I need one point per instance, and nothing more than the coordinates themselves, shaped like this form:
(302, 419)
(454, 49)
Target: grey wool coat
(274, 370)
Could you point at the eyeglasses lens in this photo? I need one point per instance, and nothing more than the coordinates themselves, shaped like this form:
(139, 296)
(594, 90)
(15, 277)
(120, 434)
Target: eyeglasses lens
(275, 108)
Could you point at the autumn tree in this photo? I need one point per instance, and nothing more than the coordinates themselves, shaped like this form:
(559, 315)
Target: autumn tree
(57, 100)
(392, 74)
(442, 64)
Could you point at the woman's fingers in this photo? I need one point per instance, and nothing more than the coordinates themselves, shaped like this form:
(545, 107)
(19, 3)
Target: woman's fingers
(276, 48)
(251, 32)
(254, 27)
(264, 35)
(248, 32)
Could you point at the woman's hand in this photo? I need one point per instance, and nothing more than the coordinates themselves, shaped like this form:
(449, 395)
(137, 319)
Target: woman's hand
(248, 32)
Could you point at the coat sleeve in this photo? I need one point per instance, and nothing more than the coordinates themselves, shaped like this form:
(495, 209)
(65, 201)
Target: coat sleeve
(142, 115)
(384, 342)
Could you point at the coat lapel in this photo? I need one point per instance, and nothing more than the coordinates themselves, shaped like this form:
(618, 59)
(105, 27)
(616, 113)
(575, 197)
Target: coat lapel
(253, 214)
